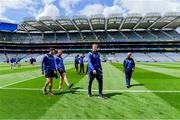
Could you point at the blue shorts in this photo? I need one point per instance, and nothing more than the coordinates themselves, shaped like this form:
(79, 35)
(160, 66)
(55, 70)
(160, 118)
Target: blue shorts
(49, 73)
(61, 71)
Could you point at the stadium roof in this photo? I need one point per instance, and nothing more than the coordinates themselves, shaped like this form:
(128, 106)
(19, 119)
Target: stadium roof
(133, 21)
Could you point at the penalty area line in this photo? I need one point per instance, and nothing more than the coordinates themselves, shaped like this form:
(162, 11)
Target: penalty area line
(85, 90)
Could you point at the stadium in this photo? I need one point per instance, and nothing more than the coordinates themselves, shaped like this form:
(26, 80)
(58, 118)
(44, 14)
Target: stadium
(152, 39)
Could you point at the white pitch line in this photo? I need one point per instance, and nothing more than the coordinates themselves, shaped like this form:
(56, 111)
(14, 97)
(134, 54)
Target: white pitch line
(85, 90)
(18, 82)
(23, 81)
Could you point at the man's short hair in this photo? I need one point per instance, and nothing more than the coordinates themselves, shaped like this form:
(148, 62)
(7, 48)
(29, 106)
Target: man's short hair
(129, 54)
(51, 49)
(95, 44)
(59, 49)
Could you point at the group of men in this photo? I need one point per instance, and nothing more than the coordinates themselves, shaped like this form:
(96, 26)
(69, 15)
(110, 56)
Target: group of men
(32, 60)
(79, 60)
(14, 62)
(53, 65)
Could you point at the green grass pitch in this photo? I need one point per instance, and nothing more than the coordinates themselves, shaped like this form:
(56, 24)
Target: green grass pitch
(155, 94)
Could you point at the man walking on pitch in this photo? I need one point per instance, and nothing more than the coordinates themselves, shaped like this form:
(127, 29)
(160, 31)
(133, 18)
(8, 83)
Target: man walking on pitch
(81, 61)
(76, 63)
(59, 62)
(129, 66)
(48, 66)
(31, 61)
(95, 70)
(12, 61)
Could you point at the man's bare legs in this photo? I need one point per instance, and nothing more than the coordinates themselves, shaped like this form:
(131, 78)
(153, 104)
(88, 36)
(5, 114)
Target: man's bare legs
(49, 82)
(64, 79)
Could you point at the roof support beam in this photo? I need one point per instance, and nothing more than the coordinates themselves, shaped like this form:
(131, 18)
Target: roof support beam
(44, 25)
(33, 27)
(106, 22)
(138, 35)
(122, 23)
(77, 28)
(90, 24)
(138, 23)
(167, 34)
(23, 28)
(154, 23)
(123, 35)
(153, 35)
(170, 22)
(60, 25)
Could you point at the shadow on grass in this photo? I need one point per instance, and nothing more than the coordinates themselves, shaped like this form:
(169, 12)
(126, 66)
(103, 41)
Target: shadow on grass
(134, 85)
(72, 91)
(157, 81)
(31, 104)
(109, 95)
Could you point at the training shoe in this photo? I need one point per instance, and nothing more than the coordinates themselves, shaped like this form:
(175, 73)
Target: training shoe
(51, 94)
(70, 86)
(128, 86)
(44, 91)
(60, 90)
(102, 97)
(89, 95)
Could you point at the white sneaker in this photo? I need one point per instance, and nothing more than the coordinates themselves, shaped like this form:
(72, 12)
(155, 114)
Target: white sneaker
(60, 90)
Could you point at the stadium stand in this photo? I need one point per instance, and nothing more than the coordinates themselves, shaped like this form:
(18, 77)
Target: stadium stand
(117, 36)
(61, 37)
(75, 36)
(120, 36)
(146, 36)
(152, 37)
(132, 36)
(103, 36)
(159, 57)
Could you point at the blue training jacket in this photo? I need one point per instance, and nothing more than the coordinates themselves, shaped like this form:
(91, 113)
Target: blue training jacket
(48, 63)
(59, 62)
(12, 60)
(94, 62)
(76, 60)
(128, 64)
(81, 61)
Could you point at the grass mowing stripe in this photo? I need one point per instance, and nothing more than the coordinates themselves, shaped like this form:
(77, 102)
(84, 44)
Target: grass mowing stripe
(22, 64)
(28, 104)
(163, 66)
(33, 105)
(17, 82)
(8, 68)
(171, 72)
(158, 80)
(113, 79)
(153, 80)
(161, 78)
(18, 70)
(116, 107)
(106, 91)
(74, 78)
(162, 63)
(36, 81)
(12, 78)
(121, 75)
(22, 69)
